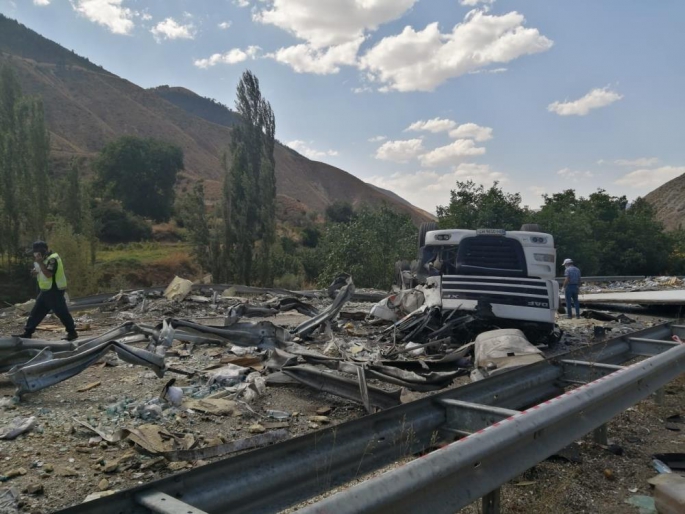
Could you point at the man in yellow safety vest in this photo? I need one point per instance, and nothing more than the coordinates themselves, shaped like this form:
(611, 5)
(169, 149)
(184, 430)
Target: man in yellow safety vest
(52, 281)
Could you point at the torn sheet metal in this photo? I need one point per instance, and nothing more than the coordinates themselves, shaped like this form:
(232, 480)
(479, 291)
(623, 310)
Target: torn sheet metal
(47, 369)
(431, 381)
(667, 297)
(341, 386)
(263, 335)
(344, 296)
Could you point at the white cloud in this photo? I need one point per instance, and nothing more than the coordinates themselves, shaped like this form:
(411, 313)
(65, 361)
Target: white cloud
(242, 3)
(473, 3)
(233, 56)
(304, 58)
(362, 89)
(600, 97)
(574, 175)
(453, 153)
(309, 152)
(225, 24)
(427, 189)
(171, 29)
(435, 125)
(333, 22)
(400, 151)
(472, 131)
(377, 139)
(109, 13)
(650, 178)
(643, 162)
(41, 2)
(422, 60)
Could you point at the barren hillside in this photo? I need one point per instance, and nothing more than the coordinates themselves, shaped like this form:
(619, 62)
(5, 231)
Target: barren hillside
(669, 202)
(87, 107)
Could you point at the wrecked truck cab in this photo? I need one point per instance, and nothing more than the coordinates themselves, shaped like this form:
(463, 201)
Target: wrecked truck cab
(508, 275)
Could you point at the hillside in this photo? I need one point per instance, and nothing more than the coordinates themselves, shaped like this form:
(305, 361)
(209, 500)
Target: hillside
(86, 107)
(669, 202)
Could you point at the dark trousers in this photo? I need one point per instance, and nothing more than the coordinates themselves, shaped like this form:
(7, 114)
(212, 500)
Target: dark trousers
(52, 300)
(572, 300)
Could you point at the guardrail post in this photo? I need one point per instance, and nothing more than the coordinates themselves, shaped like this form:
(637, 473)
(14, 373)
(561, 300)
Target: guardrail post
(659, 396)
(600, 435)
(491, 502)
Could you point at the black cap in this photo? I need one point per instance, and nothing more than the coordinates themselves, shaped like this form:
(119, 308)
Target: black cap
(40, 246)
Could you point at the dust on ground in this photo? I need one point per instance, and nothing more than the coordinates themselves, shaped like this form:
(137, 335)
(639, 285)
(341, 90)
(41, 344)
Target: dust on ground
(59, 463)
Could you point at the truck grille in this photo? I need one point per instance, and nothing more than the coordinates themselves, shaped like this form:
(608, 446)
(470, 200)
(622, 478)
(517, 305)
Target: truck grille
(491, 255)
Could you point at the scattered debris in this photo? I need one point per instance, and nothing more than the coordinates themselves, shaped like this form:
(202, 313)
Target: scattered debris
(178, 289)
(17, 427)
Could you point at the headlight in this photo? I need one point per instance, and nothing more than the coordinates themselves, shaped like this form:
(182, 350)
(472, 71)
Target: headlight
(539, 240)
(543, 257)
(443, 237)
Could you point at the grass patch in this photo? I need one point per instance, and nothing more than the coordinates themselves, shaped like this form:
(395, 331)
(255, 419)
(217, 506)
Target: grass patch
(141, 253)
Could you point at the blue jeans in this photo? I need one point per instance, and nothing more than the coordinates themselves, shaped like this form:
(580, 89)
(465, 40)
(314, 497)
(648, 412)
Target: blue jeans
(571, 300)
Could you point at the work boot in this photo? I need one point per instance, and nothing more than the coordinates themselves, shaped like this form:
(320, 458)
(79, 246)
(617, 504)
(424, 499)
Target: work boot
(71, 336)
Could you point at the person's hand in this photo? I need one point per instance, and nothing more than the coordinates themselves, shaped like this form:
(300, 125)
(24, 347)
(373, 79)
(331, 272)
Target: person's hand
(34, 272)
(38, 257)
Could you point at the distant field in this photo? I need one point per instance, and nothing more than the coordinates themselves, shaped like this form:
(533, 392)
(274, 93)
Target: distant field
(143, 253)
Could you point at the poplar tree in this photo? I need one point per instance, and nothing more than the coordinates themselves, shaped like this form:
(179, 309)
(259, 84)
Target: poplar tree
(249, 189)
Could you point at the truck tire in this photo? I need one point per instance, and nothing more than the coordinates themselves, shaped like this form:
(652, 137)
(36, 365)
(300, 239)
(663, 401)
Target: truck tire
(426, 227)
(530, 227)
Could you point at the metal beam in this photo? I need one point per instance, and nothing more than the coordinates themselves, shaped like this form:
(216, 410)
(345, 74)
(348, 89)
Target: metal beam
(452, 477)
(465, 418)
(647, 347)
(582, 372)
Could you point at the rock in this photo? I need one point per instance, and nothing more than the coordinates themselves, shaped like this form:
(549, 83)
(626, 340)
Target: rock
(111, 466)
(15, 472)
(609, 475)
(256, 429)
(66, 472)
(48, 468)
(320, 419)
(103, 485)
(323, 411)
(313, 426)
(98, 495)
(177, 466)
(35, 489)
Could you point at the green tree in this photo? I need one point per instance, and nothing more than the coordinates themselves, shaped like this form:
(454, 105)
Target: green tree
(193, 213)
(141, 174)
(472, 206)
(340, 212)
(249, 190)
(367, 247)
(72, 203)
(74, 250)
(24, 153)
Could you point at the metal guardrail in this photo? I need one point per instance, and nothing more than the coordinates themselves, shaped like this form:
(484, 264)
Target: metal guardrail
(606, 279)
(504, 441)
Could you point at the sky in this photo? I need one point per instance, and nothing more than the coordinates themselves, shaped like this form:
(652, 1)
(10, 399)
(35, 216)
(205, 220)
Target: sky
(415, 95)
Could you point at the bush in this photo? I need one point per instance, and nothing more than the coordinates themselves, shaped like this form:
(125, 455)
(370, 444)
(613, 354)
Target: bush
(115, 225)
(74, 250)
(289, 281)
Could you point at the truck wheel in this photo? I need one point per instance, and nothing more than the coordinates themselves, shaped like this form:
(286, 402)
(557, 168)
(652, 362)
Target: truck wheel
(426, 227)
(530, 227)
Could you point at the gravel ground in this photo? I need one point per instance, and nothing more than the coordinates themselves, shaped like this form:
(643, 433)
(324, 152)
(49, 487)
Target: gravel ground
(59, 463)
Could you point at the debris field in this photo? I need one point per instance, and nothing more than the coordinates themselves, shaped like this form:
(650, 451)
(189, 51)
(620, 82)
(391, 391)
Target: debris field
(163, 382)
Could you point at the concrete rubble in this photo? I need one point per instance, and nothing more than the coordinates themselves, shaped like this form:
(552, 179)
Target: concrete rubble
(167, 381)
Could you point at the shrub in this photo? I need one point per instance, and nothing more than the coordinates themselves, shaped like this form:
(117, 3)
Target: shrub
(115, 225)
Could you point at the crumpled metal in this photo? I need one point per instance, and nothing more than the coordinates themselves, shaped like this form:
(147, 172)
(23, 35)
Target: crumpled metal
(48, 368)
(344, 295)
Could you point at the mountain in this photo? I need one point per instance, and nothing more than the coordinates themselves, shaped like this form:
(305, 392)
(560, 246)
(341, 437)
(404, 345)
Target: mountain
(669, 202)
(86, 107)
